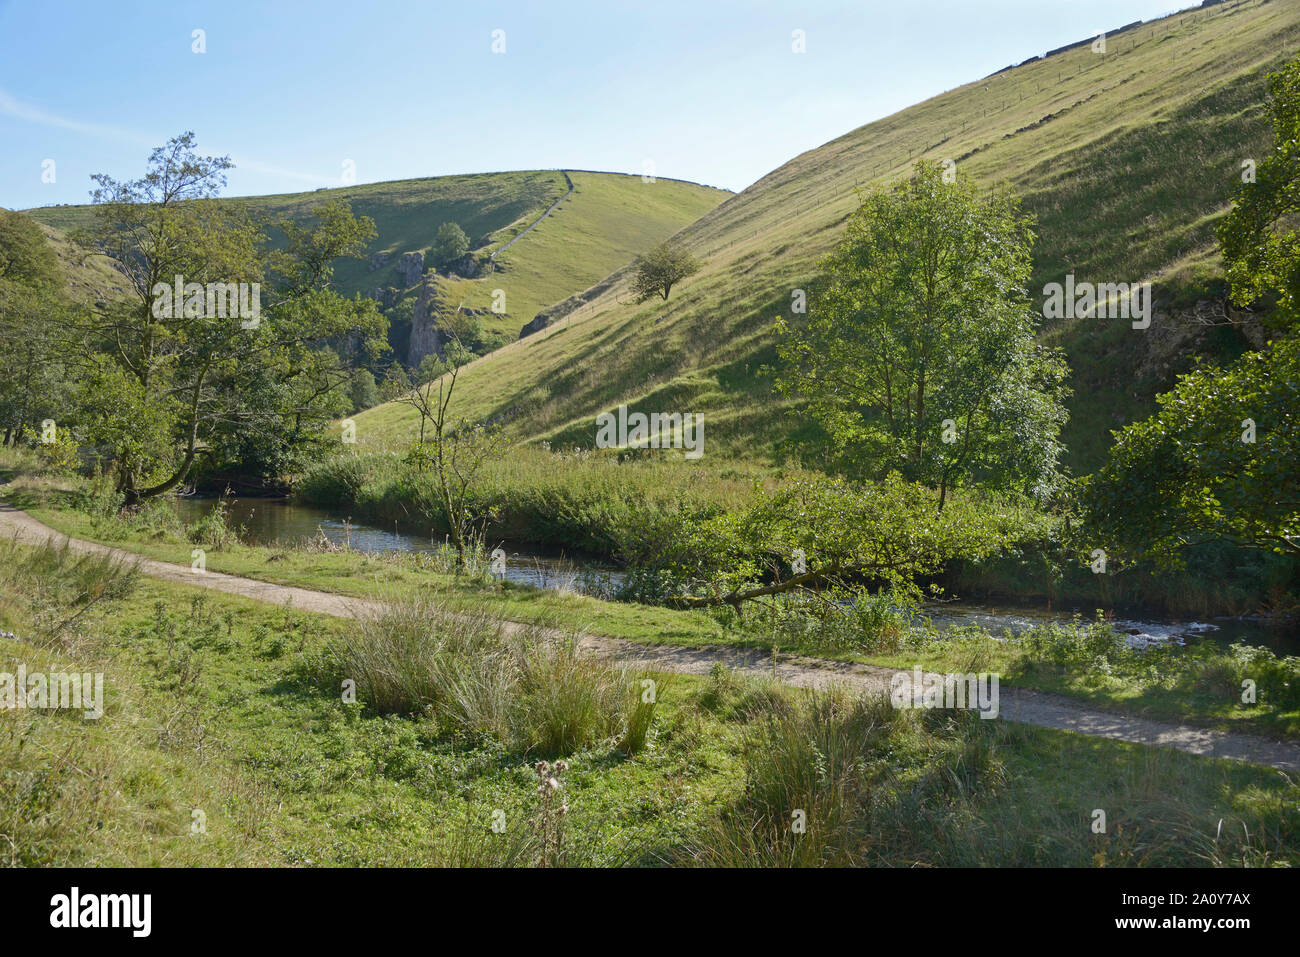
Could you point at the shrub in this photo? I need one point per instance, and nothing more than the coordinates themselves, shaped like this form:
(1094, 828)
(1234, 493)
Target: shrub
(59, 455)
(214, 529)
(838, 619)
(335, 481)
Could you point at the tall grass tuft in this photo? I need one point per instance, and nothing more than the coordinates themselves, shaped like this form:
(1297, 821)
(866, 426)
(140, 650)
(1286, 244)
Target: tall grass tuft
(63, 585)
(810, 777)
(529, 686)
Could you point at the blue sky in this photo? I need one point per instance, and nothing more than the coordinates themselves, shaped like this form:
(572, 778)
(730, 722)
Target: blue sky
(708, 91)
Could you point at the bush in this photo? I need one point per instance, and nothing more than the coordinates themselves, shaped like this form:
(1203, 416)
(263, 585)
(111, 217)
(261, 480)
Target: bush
(214, 529)
(835, 620)
(335, 481)
(362, 390)
(59, 455)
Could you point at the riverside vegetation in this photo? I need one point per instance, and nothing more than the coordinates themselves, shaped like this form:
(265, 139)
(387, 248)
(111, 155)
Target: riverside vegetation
(463, 725)
(1199, 682)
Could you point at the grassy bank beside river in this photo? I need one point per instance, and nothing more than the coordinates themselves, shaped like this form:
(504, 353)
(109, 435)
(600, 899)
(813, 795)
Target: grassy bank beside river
(1201, 683)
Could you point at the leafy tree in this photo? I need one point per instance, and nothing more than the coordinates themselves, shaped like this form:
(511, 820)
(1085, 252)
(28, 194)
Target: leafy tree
(887, 531)
(33, 310)
(662, 268)
(1259, 239)
(362, 390)
(207, 382)
(1199, 471)
(918, 352)
(450, 244)
(1220, 460)
(396, 383)
(25, 255)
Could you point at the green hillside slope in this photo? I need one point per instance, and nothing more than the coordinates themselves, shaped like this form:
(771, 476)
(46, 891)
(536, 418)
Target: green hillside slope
(608, 220)
(1127, 158)
(89, 278)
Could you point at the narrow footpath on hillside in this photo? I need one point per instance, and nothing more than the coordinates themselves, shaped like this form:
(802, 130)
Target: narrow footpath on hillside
(531, 226)
(1016, 704)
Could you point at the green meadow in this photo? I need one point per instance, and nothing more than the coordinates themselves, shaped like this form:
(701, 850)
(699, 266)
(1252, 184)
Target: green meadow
(227, 740)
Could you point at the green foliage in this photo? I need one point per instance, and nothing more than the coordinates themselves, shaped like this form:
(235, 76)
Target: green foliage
(214, 529)
(891, 532)
(25, 257)
(257, 390)
(123, 422)
(1198, 471)
(450, 244)
(1259, 238)
(660, 269)
(396, 383)
(362, 390)
(59, 455)
(918, 354)
(33, 308)
(530, 688)
(336, 481)
(574, 499)
(835, 619)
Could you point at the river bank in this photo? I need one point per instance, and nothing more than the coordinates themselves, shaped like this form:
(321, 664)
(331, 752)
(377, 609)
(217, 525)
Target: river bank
(1199, 683)
(270, 521)
(628, 510)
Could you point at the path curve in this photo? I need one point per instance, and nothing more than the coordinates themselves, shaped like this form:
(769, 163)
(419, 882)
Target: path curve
(1017, 704)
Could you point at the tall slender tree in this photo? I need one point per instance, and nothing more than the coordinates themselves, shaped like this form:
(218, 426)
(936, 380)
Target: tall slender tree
(917, 353)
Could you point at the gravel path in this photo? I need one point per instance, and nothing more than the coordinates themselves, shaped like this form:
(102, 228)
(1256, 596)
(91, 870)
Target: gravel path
(1016, 704)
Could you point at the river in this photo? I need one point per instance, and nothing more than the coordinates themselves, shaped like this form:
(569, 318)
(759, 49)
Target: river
(268, 520)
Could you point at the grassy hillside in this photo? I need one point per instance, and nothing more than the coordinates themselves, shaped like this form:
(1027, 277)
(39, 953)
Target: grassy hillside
(608, 220)
(1127, 158)
(89, 278)
(606, 223)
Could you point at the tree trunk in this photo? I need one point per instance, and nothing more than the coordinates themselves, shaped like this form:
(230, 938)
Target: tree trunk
(736, 597)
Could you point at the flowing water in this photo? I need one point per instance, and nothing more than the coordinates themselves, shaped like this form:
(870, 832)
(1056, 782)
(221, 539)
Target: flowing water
(266, 521)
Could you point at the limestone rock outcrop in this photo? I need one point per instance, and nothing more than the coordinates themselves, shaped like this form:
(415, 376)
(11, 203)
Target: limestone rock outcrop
(411, 267)
(426, 337)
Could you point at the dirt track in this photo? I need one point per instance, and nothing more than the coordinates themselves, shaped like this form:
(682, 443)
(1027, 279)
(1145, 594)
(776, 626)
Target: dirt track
(1029, 707)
